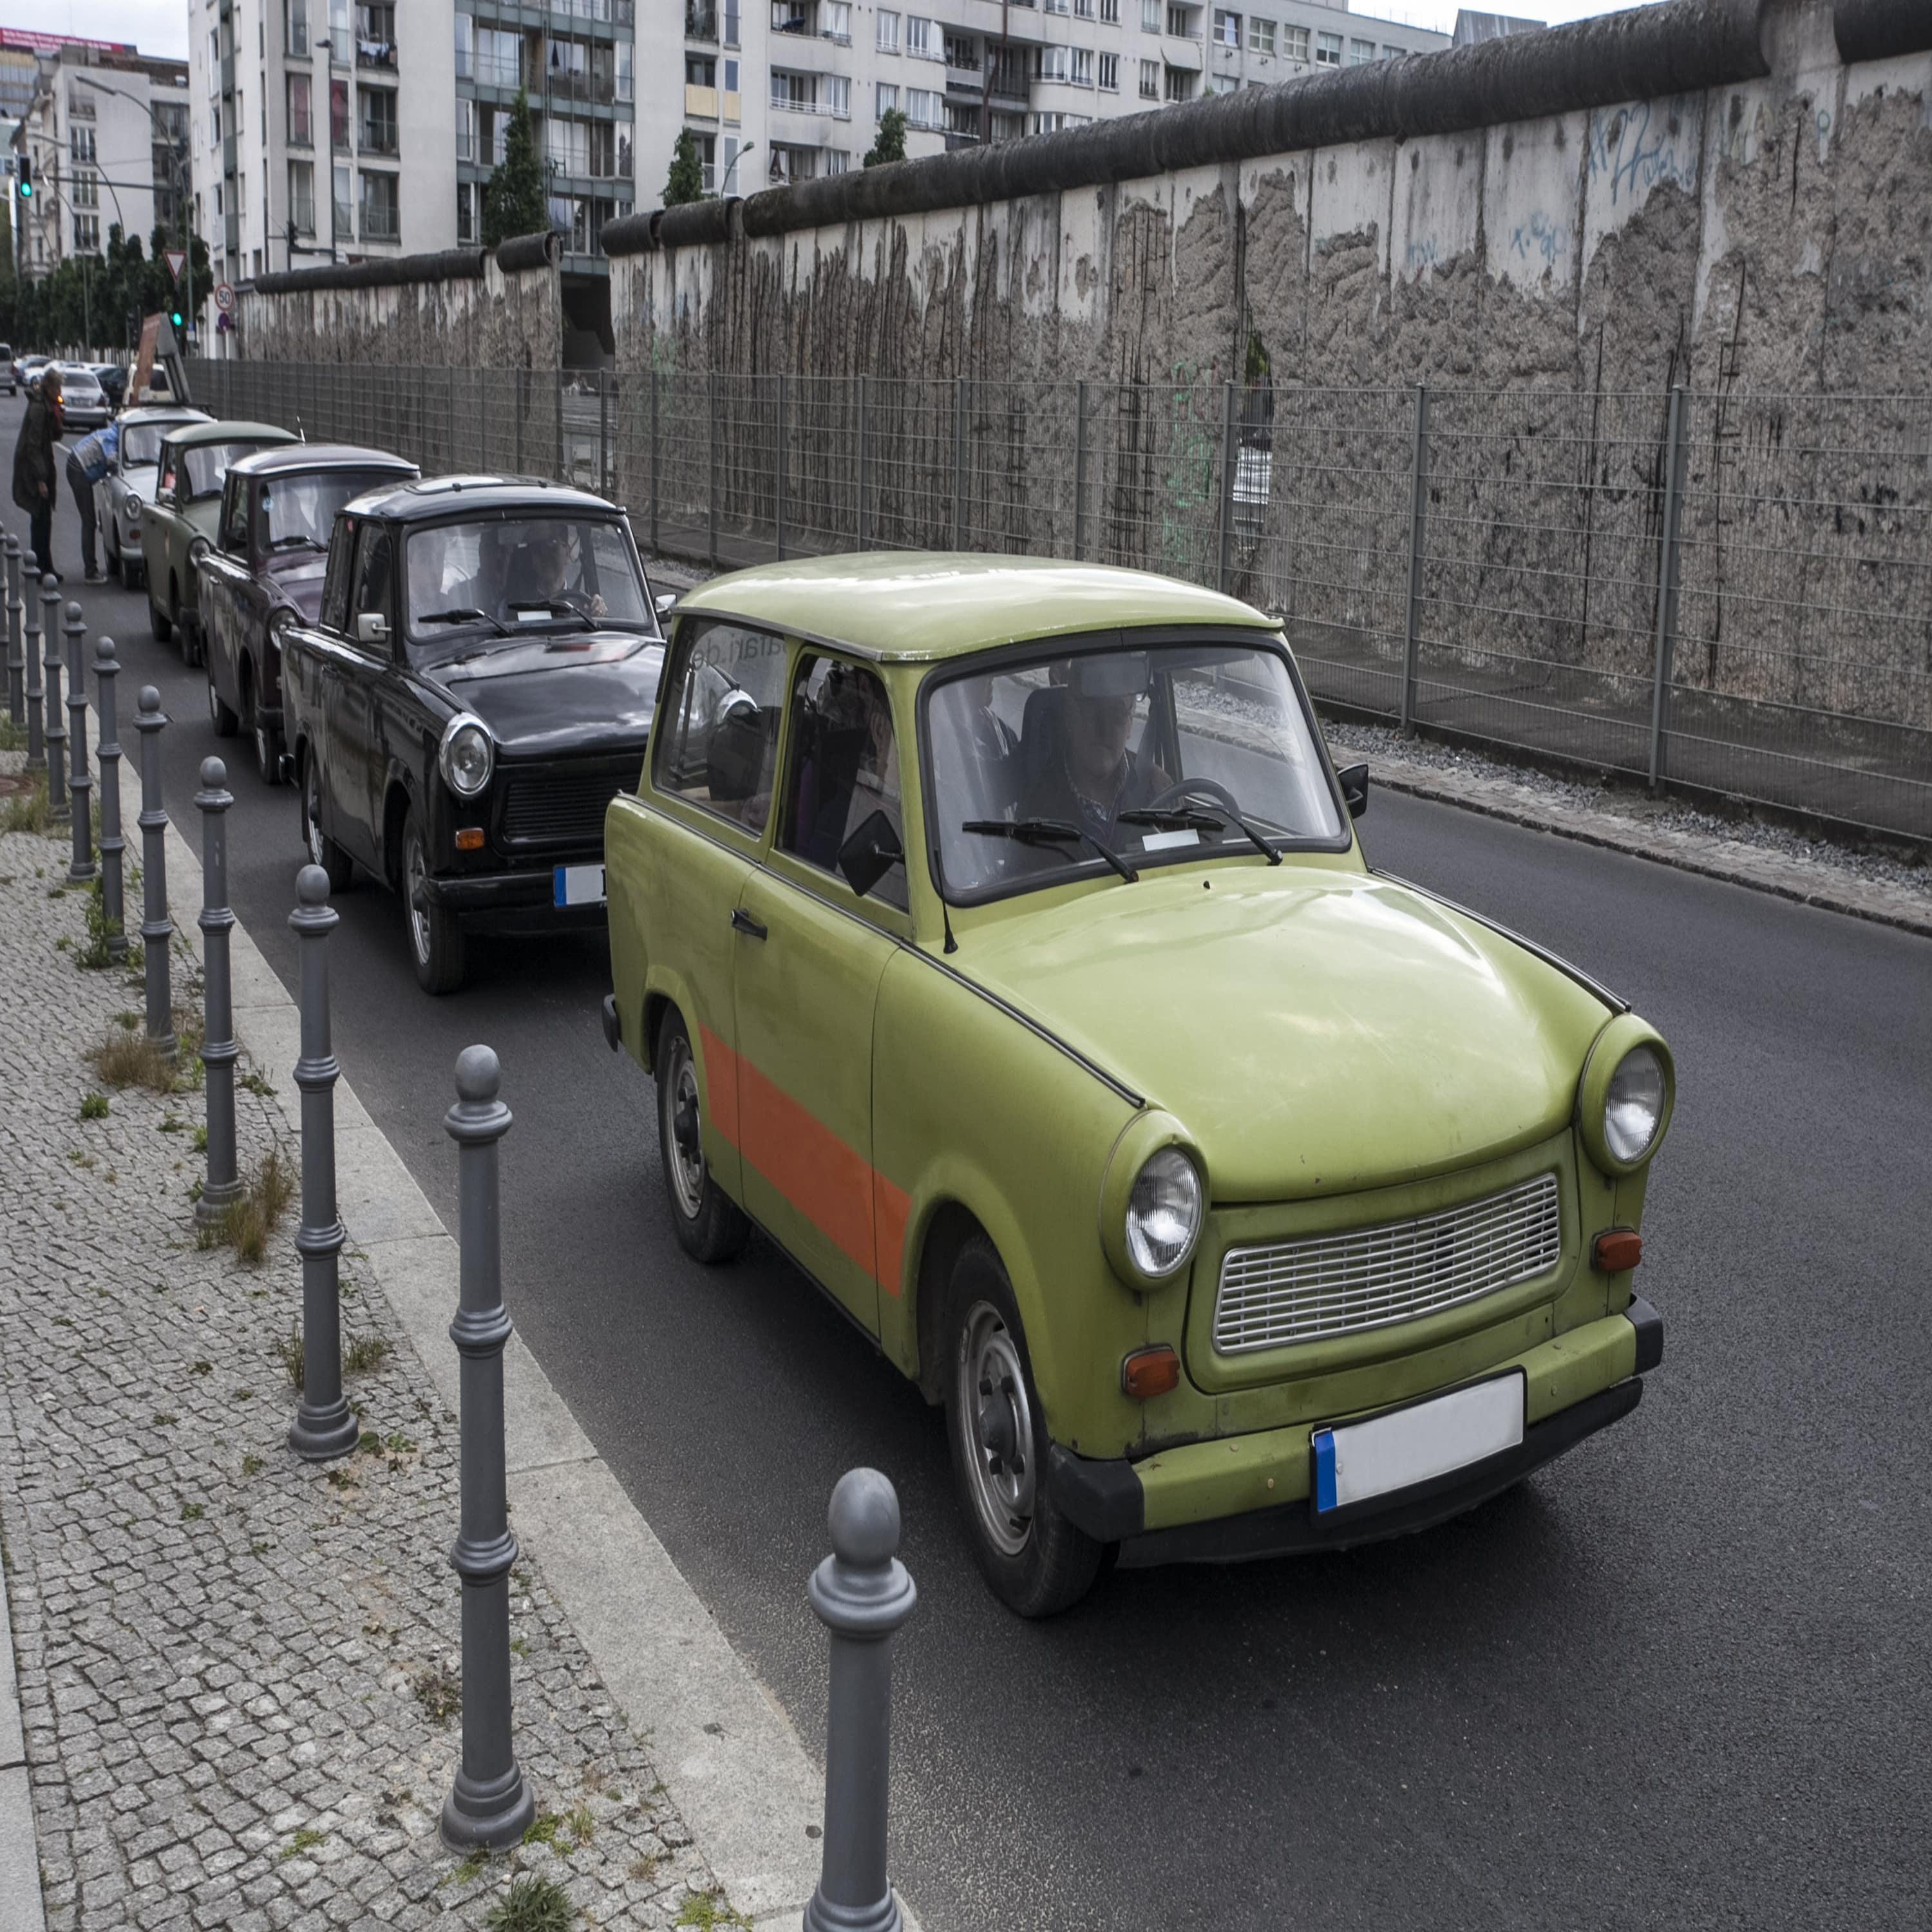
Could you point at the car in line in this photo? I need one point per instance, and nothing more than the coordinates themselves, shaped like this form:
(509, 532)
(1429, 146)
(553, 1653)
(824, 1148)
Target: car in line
(112, 377)
(84, 403)
(997, 933)
(129, 485)
(265, 572)
(9, 374)
(178, 523)
(476, 687)
(27, 369)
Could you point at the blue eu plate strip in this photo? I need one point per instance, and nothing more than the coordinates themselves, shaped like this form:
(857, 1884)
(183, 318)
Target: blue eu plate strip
(557, 897)
(1323, 1442)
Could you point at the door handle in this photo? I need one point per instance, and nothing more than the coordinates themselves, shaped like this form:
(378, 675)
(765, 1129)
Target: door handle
(742, 921)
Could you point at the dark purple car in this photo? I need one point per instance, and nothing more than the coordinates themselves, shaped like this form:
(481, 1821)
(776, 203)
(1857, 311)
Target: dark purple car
(271, 553)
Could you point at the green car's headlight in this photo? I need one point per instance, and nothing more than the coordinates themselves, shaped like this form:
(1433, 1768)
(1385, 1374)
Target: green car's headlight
(1624, 1101)
(1163, 1215)
(1633, 1106)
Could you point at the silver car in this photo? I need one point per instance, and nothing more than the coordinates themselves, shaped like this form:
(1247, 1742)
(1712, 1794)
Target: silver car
(129, 482)
(83, 401)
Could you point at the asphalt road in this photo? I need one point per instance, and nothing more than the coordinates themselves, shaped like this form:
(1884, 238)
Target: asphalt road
(1681, 1678)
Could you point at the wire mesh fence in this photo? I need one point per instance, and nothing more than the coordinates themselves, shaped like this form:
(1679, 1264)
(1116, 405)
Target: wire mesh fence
(1727, 592)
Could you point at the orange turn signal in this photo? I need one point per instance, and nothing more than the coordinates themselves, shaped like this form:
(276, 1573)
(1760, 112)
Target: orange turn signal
(1148, 1373)
(1617, 1250)
(469, 838)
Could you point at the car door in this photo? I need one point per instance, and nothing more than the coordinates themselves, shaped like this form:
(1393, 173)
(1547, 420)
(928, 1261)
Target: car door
(155, 518)
(357, 766)
(678, 873)
(224, 574)
(810, 954)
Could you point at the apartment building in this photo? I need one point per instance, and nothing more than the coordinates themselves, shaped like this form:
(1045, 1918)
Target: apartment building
(106, 129)
(777, 91)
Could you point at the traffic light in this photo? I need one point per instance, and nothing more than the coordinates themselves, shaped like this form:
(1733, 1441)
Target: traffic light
(175, 317)
(26, 178)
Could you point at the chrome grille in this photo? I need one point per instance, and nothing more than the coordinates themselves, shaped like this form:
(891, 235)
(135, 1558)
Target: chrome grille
(1369, 1277)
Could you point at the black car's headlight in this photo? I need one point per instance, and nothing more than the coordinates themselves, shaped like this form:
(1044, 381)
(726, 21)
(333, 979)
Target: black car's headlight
(466, 756)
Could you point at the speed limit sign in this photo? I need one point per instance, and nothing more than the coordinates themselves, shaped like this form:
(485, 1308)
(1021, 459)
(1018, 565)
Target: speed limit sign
(224, 297)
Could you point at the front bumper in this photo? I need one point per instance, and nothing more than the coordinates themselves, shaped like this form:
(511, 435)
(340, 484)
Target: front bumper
(1245, 1496)
(514, 901)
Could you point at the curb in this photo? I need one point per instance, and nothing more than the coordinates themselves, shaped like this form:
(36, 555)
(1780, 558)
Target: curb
(735, 1770)
(21, 1907)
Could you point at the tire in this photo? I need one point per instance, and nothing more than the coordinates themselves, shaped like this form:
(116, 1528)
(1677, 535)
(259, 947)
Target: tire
(131, 572)
(1036, 1561)
(224, 720)
(434, 933)
(159, 622)
(323, 850)
(266, 739)
(711, 1227)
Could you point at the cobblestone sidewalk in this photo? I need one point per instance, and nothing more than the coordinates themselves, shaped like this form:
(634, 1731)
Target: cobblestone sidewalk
(237, 1671)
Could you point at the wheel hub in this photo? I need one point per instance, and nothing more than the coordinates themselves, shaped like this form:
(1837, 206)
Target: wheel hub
(998, 1415)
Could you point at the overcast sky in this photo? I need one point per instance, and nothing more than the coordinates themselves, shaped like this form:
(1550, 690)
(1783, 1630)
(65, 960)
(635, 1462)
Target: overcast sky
(160, 26)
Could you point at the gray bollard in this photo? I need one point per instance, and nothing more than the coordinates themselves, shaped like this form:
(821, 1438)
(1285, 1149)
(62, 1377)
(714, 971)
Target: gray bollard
(490, 1805)
(325, 1426)
(54, 730)
(222, 1186)
(157, 934)
(30, 647)
(105, 671)
(80, 782)
(16, 656)
(862, 1594)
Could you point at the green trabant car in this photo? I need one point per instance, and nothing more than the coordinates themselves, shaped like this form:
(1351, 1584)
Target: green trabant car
(998, 938)
(179, 525)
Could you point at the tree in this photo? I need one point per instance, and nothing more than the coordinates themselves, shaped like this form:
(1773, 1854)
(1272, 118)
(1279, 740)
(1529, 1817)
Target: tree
(890, 144)
(513, 201)
(685, 181)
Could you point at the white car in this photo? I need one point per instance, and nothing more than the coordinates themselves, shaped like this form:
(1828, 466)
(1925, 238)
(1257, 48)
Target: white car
(129, 482)
(84, 404)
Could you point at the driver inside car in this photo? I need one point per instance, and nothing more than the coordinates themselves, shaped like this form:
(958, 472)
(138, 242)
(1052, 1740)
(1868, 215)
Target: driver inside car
(1089, 775)
(543, 572)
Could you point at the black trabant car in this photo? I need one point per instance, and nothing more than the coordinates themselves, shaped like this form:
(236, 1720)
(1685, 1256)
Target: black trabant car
(477, 686)
(266, 572)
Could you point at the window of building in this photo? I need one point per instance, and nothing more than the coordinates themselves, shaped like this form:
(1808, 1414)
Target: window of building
(1110, 13)
(962, 120)
(567, 142)
(500, 57)
(1261, 35)
(301, 197)
(86, 188)
(1181, 23)
(375, 34)
(302, 113)
(1152, 14)
(1110, 74)
(1180, 84)
(465, 47)
(835, 22)
(962, 54)
(214, 126)
(466, 128)
(1150, 80)
(377, 119)
(214, 60)
(700, 70)
(925, 109)
(1083, 9)
(1327, 50)
(294, 28)
(793, 92)
(465, 212)
(838, 161)
(923, 40)
(1081, 73)
(1393, 53)
(1227, 29)
(341, 43)
(835, 96)
(1055, 6)
(888, 32)
(1294, 42)
(344, 204)
(87, 234)
(338, 116)
(382, 219)
(1360, 52)
(1049, 63)
(887, 98)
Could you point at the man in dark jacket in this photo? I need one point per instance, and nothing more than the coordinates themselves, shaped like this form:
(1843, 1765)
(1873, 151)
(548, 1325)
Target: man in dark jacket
(35, 479)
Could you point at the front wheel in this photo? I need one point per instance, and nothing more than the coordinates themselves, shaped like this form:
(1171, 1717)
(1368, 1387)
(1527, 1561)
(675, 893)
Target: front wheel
(323, 850)
(1037, 1562)
(710, 1226)
(435, 937)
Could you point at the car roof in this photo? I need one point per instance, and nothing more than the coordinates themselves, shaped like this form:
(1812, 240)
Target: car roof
(285, 458)
(915, 606)
(207, 430)
(440, 497)
(163, 412)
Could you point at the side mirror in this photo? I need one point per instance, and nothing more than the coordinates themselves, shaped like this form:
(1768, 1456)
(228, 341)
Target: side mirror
(1354, 781)
(663, 603)
(371, 627)
(870, 853)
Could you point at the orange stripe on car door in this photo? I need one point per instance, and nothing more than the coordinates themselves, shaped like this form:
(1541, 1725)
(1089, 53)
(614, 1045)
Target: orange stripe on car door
(720, 1086)
(889, 1204)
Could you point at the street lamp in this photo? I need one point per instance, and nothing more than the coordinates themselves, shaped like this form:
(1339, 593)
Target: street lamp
(726, 183)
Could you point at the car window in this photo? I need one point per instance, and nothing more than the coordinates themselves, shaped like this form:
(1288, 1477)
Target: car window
(841, 766)
(335, 584)
(234, 517)
(298, 510)
(170, 458)
(372, 589)
(521, 574)
(721, 710)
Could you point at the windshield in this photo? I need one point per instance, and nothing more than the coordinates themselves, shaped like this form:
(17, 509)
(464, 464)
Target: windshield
(1121, 757)
(141, 443)
(521, 574)
(80, 383)
(300, 510)
(207, 464)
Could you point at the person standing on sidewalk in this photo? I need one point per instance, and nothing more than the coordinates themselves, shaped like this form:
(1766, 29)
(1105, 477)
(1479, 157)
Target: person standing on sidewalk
(34, 480)
(87, 463)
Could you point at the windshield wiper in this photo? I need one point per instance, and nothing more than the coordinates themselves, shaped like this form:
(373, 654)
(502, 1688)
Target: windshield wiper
(289, 543)
(1200, 821)
(1050, 831)
(465, 617)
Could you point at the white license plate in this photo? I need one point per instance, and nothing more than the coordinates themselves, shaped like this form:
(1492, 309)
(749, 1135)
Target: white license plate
(1411, 1445)
(580, 885)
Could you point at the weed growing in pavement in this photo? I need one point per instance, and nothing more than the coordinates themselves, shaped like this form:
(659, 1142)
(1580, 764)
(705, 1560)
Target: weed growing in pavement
(76, 1158)
(201, 1140)
(247, 1224)
(164, 1421)
(255, 1084)
(440, 1691)
(129, 1018)
(97, 955)
(546, 1828)
(133, 1059)
(27, 810)
(13, 735)
(471, 1868)
(365, 1352)
(532, 1903)
(289, 1353)
(306, 1840)
(252, 1465)
(644, 1866)
(170, 1123)
(583, 1825)
(192, 1512)
(94, 1107)
(708, 1911)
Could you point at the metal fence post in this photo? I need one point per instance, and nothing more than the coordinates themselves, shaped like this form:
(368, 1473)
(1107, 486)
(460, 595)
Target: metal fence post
(108, 751)
(1418, 519)
(1080, 469)
(656, 379)
(778, 432)
(221, 1185)
(959, 519)
(325, 1426)
(157, 934)
(864, 442)
(1666, 587)
(519, 394)
(862, 1594)
(1230, 464)
(80, 780)
(711, 380)
(54, 732)
(16, 662)
(605, 486)
(30, 645)
(559, 467)
(489, 1803)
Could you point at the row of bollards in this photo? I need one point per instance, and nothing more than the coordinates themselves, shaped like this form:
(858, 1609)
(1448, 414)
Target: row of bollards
(862, 1593)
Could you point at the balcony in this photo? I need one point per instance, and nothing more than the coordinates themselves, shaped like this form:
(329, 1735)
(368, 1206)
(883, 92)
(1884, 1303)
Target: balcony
(380, 224)
(700, 103)
(375, 56)
(701, 22)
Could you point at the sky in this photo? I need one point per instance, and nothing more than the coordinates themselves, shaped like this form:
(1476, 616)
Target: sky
(160, 26)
